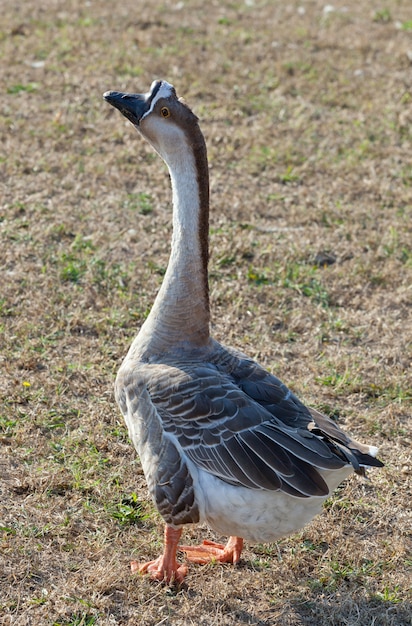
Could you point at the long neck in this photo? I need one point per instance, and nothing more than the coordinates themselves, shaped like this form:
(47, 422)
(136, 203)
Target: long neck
(180, 314)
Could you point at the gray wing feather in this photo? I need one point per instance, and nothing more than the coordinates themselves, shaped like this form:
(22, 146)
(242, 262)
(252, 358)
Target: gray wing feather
(243, 425)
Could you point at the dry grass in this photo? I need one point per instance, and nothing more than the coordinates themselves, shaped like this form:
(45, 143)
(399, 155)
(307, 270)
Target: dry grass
(307, 114)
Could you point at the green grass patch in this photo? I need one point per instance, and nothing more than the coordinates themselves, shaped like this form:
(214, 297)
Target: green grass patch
(129, 511)
(19, 88)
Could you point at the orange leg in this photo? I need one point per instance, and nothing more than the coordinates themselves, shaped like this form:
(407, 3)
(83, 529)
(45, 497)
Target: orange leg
(165, 567)
(210, 551)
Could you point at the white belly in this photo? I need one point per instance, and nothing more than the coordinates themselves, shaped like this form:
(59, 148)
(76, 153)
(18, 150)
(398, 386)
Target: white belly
(258, 516)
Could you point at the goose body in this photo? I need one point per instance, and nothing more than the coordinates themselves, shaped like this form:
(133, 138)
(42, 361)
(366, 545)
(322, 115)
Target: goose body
(220, 439)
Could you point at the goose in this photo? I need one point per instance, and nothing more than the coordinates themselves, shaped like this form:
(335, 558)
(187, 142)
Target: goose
(221, 440)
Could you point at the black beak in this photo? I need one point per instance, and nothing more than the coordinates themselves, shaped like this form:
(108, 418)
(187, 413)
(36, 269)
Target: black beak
(131, 105)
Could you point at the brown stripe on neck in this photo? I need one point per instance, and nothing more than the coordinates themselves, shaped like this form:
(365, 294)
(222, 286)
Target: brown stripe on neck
(197, 141)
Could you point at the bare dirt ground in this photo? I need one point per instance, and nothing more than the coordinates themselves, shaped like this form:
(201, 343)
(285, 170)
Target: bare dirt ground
(307, 112)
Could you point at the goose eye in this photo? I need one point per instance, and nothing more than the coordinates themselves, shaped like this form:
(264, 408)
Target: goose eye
(165, 112)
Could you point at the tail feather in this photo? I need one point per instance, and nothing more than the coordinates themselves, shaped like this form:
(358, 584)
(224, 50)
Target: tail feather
(367, 460)
(357, 454)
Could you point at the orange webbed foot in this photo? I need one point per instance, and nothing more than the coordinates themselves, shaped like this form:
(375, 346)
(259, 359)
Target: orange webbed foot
(159, 569)
(210, 551)
(165, 568)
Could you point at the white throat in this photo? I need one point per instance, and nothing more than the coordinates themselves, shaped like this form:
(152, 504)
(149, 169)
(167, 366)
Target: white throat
(180, 313)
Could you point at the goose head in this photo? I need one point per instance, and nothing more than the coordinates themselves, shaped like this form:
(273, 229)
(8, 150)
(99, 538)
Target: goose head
(159, 116)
